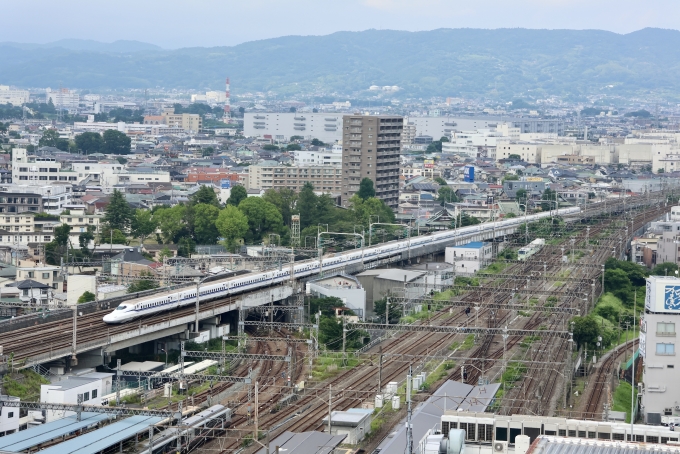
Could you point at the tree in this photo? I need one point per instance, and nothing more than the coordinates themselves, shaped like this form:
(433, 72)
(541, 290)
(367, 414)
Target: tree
(165, 253)
(205, 195)
(434, 147)
(293, 147)
(446, 195)
(84, 240)
(142, 225)
(515, 157)
(86, 297)
(115, 142)
(440, 181)
(363, 210)
(270, 147)
(317, 143)
(232, 225)
(550, 198)
(205, 230)
(114, 236)
(380, 306)
(143, 284)
(118, 213)
(208, 152)
(307, 202)
(89, 142)
(366, 189)
(49, 138)
(617, 282)
(121, 160)
(284, 199)
(171, 222)
(586, 330)
(521, 194)
(510, 178)
(238, 193)
(294, 138)
(665, 269)
(263, 218)
(469, 220)
(186, 246)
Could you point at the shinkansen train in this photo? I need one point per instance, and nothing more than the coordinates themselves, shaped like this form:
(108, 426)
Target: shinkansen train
(141, 307)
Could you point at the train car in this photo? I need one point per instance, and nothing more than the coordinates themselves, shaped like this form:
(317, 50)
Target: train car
(195, 431)
(530, 249)
(141, 307)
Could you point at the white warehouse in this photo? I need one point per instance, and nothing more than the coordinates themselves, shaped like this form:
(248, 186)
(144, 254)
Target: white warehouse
(327, 127)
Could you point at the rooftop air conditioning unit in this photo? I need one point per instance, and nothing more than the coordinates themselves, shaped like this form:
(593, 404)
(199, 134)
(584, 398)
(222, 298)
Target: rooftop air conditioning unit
(500, 447)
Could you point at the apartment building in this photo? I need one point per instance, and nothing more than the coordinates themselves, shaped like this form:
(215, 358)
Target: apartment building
(17, 222)
(37, 170)
(80, 220)
(188, 122)
(371, 149)
(321, 157)
(63, 98)
(408, 135)
(660, 396)
(17, 202)
(14, 97)
(271, 175)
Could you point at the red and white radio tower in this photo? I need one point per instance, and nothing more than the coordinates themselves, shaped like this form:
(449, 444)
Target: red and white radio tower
(227, 105)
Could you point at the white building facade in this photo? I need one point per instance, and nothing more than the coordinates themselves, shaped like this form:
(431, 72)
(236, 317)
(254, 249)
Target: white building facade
(326, 127)
(658, 338)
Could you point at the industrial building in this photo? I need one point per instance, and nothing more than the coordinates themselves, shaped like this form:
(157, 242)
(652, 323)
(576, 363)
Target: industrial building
(13, 96)
(371, 148)
(281, 126)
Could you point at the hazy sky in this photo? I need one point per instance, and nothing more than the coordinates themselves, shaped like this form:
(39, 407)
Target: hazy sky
(184, 23)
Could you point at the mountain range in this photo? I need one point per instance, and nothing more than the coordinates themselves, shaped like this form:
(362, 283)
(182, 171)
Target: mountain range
(501, 63)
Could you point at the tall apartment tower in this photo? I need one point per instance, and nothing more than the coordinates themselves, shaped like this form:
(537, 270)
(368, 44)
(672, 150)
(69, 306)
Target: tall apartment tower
(370, 149)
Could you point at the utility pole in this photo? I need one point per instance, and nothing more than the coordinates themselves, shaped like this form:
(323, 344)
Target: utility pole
(409, 428)
(632, 374)
(380, 360)
(344, 340)
(74, 359)
(257, 402)
(117, 382)
(330, 406)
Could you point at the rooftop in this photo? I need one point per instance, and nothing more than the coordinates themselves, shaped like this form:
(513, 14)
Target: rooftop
(26, 439)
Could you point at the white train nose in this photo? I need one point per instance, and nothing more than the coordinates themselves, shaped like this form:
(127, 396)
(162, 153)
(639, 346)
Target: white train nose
(109, 318)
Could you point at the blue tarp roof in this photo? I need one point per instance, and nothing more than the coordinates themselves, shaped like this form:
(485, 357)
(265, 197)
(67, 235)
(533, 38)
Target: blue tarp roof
(105, 437)
(22, 441)
(472, 245)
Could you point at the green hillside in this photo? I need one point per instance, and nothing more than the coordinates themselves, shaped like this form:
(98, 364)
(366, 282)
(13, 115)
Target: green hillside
(501, 63)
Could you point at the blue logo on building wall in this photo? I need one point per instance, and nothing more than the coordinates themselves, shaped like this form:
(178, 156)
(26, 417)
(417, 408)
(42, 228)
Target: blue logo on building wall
(672, 298)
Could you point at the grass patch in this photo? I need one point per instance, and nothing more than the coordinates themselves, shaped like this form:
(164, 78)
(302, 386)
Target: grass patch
(533, 301)
(440, 372)
(513, 373)
(622, 396)
(468, 342)
(523, 314)
(26, 385)
(327, 367)
(494, 268)
(528, 340)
